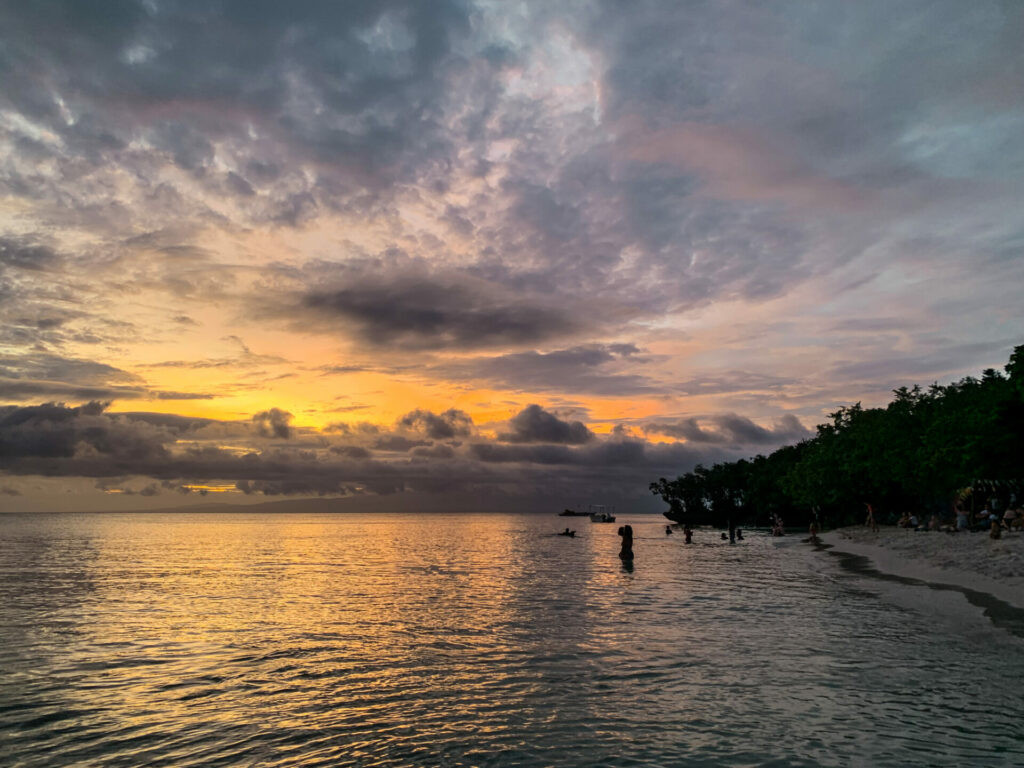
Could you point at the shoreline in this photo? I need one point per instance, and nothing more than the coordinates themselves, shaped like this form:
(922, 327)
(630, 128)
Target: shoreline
(971, 561)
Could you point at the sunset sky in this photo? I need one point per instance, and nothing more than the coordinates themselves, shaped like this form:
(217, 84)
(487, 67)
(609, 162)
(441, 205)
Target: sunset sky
(486, 251)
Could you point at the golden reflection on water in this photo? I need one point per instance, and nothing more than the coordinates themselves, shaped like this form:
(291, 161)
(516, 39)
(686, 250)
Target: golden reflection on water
(266, 640)
(394, 609)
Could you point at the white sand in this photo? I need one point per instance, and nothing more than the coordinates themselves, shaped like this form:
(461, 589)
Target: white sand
(971, 560)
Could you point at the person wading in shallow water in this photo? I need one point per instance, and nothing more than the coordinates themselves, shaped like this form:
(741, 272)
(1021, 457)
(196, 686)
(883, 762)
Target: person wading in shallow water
(626, 553)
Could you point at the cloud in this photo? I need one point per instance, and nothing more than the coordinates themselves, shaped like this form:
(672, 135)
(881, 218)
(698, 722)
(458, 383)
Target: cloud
(591, 369)
(732, 381)
(428, 312)
(444, 426)
(166, 451)
(350, 451)
(54, 431)
(24, 254)
(733, 429)
(50, 367)
(398, 443)
(739, 164)
(31, 375)
(274, 423)
(495, 196)
(535, 425)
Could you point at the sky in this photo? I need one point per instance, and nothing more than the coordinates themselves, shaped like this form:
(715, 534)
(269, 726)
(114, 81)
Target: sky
(417, 254)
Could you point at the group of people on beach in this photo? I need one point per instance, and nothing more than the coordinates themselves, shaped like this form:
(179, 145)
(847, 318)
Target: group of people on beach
(995, 516)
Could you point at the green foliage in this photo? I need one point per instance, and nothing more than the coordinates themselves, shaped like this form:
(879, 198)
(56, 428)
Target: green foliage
(915, 453)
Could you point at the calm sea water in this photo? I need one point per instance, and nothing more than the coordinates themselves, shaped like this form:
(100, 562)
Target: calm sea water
(478, 640)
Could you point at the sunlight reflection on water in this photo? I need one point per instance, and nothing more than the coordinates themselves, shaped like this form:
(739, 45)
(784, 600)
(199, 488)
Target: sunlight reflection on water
(266, 640)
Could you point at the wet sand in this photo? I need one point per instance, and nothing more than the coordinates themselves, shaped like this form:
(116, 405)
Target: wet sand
(971, 561)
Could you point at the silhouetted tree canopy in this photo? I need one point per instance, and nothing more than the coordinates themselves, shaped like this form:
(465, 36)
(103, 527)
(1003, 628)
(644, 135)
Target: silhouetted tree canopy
(915, 454)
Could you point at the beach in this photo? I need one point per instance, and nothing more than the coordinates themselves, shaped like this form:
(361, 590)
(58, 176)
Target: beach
(971, 560)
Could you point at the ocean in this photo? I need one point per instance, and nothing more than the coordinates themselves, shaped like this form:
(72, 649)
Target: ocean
(248, 639)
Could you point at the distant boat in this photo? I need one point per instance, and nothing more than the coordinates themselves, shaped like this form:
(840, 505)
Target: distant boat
(599, 515)
(572, 513)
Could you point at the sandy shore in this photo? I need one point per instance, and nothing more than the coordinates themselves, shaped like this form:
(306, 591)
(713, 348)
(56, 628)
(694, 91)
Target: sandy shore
(971, 560)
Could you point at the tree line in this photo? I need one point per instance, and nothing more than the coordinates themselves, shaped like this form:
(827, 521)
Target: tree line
(918, 453)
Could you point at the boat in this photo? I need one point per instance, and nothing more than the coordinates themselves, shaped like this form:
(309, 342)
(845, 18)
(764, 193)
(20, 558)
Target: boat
(572, 513)
(599, 515)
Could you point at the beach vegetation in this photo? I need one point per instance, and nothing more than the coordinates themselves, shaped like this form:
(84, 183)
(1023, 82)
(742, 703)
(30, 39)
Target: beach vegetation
(917, 453)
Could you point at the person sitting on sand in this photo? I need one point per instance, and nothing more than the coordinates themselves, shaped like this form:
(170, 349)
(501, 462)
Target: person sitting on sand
(904, 521)
(1008, 517)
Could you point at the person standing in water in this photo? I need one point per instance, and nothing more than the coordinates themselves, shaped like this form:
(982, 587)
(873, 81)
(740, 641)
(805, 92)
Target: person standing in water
(626, 553)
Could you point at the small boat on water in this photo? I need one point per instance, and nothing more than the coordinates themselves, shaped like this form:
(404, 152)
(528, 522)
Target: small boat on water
(572, 513)
(598, 514)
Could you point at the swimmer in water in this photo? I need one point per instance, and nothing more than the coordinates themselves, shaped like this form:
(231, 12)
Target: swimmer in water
(626, 553)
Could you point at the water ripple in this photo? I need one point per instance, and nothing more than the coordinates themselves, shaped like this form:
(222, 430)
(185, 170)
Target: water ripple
(474, 640)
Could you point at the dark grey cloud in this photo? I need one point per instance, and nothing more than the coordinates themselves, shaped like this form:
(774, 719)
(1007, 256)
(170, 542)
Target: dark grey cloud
(535, 425)
(434, 452)
(732, 429)
(350, 451)
(604, 454)
(54, 431)
(161, 451)
(24, 254)
(443, 426)
(274, 423)
(398, 443)
(422, 312)
(33, 375)
(33, 389)
(51, 367)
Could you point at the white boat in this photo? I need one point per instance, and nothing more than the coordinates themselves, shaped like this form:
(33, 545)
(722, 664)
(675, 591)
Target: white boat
(598, 514)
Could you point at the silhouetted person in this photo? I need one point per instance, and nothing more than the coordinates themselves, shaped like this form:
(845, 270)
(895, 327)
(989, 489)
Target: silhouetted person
(626, 553)
(869, 521)
(668, 530)
(732, 532)
(724, 536)
(739, 535)
(687, 534)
